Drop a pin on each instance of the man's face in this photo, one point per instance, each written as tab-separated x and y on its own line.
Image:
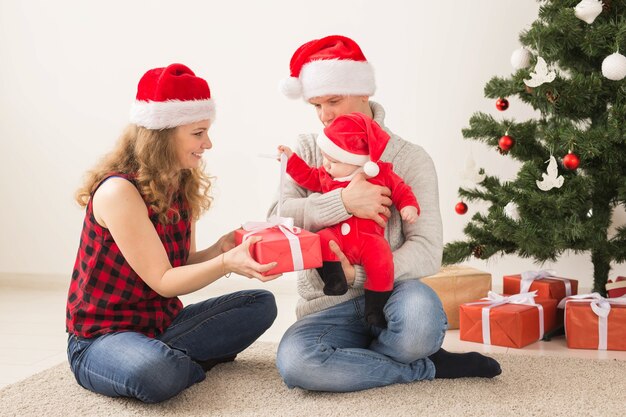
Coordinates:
329	107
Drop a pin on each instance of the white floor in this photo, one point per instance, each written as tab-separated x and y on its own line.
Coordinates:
32	323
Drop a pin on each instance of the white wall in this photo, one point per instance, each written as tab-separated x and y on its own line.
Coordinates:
70	68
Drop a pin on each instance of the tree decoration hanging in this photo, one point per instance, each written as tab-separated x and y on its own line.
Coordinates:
588	10
551	179
614	67
541	75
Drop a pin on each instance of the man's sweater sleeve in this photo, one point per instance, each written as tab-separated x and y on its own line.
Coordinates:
420	254
312	211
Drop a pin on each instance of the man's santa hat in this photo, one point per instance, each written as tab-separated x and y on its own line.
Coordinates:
354	139
331	65
171	96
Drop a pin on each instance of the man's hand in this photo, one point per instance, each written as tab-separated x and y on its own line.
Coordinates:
348	269
365	200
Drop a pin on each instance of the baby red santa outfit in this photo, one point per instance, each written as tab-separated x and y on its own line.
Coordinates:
358	140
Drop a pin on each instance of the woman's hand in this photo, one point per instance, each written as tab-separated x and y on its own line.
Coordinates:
348	268
239	261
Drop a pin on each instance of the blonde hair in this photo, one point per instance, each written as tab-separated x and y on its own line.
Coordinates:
150	157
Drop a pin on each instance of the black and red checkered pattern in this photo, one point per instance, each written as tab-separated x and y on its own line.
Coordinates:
106	295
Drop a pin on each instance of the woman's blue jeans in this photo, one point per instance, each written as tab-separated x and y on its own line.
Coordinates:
336	350
130	364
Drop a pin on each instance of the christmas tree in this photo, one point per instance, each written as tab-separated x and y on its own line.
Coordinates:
573	156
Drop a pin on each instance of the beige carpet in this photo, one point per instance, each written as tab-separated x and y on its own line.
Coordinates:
251	386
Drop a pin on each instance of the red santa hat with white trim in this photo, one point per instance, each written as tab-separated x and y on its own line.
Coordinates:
171	96
331	65
355	139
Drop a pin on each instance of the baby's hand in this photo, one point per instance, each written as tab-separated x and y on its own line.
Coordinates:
409	214
284	149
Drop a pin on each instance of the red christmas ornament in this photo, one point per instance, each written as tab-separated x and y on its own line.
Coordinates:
505	143
502	104
460	208
571	161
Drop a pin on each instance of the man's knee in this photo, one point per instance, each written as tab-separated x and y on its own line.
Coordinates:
416	314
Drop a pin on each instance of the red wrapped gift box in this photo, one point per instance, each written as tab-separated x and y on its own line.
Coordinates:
510	324
546	287
617	288
275	247
600	326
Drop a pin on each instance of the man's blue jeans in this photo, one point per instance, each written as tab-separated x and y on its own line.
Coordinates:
130	364
336	350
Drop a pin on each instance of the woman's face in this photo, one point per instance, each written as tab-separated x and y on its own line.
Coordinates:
191	141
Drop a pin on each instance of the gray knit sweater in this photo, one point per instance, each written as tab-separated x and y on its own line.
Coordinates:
417	247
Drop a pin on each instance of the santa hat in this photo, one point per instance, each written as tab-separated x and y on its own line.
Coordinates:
331	65
354	139
171	96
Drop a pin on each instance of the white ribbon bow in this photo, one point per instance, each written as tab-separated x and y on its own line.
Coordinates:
601	307
529	276
495	300
284	224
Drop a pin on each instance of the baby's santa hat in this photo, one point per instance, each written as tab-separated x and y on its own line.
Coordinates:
171	96
331	65
354	139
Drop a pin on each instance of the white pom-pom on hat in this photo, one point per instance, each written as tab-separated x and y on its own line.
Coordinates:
614	66
371	169
291	87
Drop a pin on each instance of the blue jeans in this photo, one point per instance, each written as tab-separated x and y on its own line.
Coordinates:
130	364
336	350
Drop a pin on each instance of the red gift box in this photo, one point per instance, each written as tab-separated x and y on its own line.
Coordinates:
546	286
594	322
617	288
510	323
277	247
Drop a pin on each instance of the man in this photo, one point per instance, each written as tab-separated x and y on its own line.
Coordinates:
331	347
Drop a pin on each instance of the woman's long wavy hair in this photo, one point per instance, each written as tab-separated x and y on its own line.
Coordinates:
150	156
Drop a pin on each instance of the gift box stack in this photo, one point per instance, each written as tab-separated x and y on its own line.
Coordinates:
526	311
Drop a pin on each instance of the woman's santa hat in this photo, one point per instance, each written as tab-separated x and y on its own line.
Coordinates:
331	65
354	139
171	96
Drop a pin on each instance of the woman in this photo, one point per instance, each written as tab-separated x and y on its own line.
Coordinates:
129	334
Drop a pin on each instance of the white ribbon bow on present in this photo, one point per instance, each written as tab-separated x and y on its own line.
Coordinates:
495	300
601	307
529	276
284	224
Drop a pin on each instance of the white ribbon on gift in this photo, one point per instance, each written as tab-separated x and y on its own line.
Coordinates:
495	300
284	224
529	276
601	307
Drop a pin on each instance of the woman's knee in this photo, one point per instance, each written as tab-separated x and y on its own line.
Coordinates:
266	310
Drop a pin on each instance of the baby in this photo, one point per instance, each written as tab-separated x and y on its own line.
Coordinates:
351	144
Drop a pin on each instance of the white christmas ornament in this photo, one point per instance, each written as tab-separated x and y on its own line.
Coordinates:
471	174
541	74
551	179
588	10
520	58
590	213
614	66
511	211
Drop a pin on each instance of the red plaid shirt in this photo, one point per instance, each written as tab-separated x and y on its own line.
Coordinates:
106	295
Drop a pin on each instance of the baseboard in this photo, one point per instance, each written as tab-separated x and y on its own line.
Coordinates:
34	281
